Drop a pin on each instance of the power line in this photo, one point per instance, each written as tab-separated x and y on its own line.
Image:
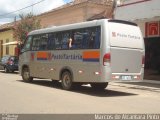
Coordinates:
21	9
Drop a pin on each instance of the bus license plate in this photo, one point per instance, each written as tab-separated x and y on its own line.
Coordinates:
127	77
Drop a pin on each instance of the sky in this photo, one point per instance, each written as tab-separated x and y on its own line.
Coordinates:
7	8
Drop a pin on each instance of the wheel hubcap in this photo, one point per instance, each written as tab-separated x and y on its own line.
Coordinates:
26	74
67	81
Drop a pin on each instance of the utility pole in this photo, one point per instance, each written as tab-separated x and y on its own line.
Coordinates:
114	6
32	7
15	20
110	11
109	8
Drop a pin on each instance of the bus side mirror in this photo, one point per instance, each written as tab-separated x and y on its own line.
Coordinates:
21	50
21	46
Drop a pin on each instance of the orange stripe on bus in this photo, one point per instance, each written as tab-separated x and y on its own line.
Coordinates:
42	55
91	54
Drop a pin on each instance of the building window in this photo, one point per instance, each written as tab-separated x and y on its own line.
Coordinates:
7	47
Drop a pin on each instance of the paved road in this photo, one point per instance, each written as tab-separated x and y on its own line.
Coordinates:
42	96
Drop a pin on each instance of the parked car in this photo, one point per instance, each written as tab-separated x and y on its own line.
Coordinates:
9	63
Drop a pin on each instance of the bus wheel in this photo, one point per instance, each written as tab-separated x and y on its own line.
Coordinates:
26	75
6	70
99	86
67	83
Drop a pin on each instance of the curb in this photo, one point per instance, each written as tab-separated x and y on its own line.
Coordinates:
151	81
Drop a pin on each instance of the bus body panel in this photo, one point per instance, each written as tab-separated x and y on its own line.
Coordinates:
126	51
24	60
82	71
125	60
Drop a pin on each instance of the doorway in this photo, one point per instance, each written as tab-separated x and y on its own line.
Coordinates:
1	48
152	58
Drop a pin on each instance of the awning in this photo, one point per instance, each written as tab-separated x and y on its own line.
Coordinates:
11	43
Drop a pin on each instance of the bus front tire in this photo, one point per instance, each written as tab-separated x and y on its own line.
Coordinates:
99	86
67	83
26	75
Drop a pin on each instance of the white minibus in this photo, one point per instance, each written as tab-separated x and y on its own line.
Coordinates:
93	52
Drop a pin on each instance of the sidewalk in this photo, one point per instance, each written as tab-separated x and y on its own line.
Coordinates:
151	76
152	81
151	85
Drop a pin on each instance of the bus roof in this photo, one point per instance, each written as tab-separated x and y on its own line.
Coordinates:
78	25
68	27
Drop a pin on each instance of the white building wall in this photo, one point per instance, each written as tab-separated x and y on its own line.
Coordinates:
140	12
138	9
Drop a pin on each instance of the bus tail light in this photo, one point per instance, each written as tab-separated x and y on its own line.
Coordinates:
115	77
137	77
143	60
106	59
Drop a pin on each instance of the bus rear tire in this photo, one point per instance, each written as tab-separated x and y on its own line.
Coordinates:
26	75
99	86
66	82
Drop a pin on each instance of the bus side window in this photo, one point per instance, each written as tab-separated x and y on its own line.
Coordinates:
65	40
85	40
71	39
78	37
97	38
58	41
27	45
92	40
36	42
51	41
43	42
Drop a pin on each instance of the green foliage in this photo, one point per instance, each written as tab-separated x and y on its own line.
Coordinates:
26	24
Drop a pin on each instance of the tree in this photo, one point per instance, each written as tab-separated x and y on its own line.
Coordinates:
26	24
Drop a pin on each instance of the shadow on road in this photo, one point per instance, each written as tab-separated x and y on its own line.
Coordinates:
15	72
143	84
82	89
